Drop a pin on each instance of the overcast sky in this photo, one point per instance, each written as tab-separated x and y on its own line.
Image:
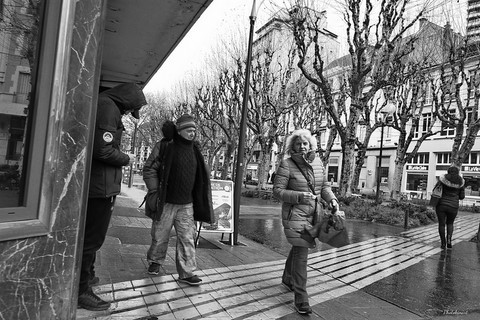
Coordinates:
223	18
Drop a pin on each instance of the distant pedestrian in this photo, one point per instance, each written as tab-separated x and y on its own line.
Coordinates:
295	178
453	190
105	180
179	192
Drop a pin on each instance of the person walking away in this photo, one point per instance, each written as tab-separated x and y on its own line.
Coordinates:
179	193
295	178
453	190
105	180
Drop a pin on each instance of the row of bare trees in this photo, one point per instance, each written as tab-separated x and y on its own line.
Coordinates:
417	77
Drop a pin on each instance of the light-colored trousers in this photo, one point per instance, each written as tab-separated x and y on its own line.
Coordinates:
181	217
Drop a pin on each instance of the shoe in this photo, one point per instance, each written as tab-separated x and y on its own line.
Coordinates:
90	301
288	286
154	268
303	308
449	242
193	280
93	281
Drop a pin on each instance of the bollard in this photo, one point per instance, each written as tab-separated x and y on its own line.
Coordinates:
405	226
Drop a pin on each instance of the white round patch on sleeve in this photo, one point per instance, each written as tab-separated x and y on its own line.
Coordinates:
108	137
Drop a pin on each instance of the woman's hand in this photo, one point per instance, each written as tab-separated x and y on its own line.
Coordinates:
308	196
334	205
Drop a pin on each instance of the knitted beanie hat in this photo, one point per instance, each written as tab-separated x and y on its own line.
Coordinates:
185	121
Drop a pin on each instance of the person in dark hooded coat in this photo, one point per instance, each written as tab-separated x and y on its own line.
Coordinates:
105	180
453	190
179	193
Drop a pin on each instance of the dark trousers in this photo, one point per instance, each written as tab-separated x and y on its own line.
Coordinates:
99	212
446	216
295	272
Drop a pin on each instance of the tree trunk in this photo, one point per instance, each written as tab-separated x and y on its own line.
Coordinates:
348	164
360	160
397	180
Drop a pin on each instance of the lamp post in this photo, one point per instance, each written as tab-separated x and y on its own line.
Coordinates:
239	168
378	199
130	178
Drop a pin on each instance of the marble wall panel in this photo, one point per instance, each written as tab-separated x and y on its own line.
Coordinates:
38	276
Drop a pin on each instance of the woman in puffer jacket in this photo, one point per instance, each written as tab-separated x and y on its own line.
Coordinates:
453	190
298	207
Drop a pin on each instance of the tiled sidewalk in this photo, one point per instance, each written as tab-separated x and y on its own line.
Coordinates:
243	282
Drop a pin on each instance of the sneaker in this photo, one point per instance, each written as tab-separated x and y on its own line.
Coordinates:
193	280
303	308
93	281
154	268
90	301
288	286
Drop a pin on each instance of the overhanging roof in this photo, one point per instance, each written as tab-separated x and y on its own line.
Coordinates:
140	35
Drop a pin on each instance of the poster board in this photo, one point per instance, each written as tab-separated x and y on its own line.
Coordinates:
222	201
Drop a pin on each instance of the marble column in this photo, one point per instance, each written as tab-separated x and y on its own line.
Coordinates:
39	275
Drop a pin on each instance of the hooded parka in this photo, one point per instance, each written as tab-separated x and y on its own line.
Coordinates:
107	162
289	186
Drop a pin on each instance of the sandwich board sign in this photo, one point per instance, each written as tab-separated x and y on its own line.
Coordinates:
222	201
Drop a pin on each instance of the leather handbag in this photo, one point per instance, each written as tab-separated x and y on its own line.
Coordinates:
333	230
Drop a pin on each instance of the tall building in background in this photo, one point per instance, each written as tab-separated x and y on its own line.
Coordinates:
473	21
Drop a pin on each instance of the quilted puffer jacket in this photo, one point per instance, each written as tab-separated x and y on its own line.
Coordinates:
289	186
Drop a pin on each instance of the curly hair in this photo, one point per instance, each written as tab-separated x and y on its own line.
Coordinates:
300	133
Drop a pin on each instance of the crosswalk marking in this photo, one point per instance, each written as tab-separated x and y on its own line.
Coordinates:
254	290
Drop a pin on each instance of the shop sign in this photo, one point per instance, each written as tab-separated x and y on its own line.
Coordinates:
417	167
471	169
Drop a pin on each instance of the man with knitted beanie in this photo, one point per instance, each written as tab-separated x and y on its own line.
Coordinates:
179	193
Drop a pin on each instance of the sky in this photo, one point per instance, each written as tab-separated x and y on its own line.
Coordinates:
223	18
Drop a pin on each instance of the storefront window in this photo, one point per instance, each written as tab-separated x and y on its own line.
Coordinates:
472	185
19	29
417	181
33	76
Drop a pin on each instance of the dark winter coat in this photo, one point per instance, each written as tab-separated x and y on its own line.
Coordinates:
451	192
156	172
289	186
107	159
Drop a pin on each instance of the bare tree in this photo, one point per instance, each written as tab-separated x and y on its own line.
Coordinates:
373	47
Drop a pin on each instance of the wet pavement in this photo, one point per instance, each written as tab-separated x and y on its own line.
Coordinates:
385	273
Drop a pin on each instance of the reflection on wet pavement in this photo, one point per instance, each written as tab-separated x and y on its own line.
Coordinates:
406	268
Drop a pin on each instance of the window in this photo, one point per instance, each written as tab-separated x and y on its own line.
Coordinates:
447	128
443	158
428	94
420	158
332	173
416	182
423	125
38	80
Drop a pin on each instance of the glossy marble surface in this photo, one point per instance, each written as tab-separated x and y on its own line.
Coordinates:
38	275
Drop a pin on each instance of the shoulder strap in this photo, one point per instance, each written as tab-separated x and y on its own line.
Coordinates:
309	182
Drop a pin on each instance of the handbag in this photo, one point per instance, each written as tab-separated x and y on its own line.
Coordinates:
333	230
436	194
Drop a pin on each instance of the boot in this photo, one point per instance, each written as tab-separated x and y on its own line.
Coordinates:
441	232
449	235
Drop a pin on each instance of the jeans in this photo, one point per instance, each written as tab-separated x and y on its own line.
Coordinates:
295	272
179	216
99	212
